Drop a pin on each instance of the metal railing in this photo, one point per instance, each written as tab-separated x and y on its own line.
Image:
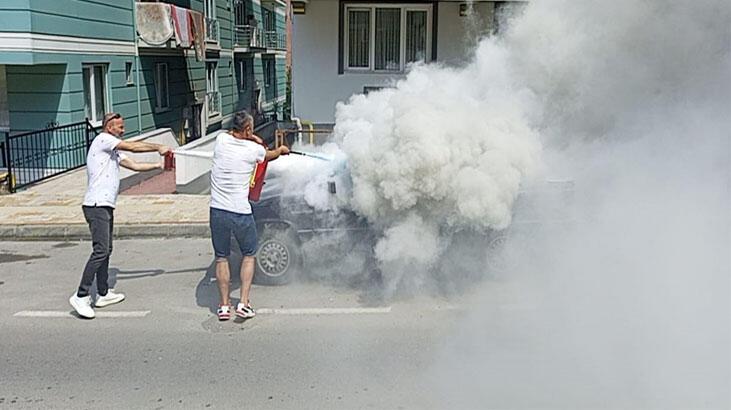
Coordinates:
275	40
249	37
214	103
212	33
33	156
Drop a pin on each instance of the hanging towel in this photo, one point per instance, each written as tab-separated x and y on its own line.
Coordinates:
199	35
154	23
181	21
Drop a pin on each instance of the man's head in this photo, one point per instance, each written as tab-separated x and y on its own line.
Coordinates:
113	123
243	125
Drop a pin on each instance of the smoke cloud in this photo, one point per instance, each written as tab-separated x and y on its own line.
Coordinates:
618	298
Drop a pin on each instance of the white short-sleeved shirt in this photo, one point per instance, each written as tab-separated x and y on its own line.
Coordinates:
234	160
102	171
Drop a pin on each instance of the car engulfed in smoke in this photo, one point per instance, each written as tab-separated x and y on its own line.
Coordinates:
306	227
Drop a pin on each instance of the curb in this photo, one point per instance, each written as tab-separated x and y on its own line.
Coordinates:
81	231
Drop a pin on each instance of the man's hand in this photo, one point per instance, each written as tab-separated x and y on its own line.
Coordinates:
163	150
283	150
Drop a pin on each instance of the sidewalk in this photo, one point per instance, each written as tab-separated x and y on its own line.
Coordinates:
52	210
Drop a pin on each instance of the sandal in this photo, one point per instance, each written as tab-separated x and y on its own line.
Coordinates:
245	311
224	312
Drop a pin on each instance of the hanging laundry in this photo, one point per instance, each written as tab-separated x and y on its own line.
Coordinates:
199	35
181	21
154	23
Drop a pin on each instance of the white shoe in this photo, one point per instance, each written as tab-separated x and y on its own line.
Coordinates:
109	299
82	306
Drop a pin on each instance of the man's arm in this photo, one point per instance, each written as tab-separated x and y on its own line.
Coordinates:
273	154
129	163
141	146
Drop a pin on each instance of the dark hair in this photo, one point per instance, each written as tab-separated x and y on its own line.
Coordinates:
240	119
110	116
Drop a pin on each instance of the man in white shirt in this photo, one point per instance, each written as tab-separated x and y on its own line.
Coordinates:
102	171
235	157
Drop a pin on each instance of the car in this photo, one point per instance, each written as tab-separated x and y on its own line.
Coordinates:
300	219
303	225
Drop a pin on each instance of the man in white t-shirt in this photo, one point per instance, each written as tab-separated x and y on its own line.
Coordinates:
102	171
235	157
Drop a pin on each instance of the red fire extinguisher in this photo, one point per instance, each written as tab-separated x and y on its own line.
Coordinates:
256	182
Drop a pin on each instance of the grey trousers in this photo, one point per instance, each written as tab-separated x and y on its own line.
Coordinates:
101	223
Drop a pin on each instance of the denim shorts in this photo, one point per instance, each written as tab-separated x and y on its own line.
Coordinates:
224	223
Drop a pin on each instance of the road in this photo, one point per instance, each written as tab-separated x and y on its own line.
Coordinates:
314	345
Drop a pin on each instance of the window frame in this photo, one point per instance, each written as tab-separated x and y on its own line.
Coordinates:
405	8
213	81
209	9
129	73
92	91
159	106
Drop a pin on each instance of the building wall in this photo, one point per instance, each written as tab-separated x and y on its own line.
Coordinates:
317	86
103	19
457	35
45	87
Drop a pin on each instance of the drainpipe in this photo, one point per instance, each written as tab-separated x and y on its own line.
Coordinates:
137	66
299	127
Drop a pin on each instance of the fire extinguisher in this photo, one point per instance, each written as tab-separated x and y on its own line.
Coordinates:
256	182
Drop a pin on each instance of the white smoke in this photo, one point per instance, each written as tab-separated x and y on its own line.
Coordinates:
629	308
444	150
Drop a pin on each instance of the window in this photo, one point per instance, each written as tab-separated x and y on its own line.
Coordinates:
270	79
212	96
95	91
211	76
240	13
359	28
128	73
162	90
269	19
385	38
416	29
243	75
209	7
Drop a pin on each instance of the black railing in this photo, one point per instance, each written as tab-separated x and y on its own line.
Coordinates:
33	156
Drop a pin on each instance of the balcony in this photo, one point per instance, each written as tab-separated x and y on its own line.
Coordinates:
249	37
275	40
213	100
212	30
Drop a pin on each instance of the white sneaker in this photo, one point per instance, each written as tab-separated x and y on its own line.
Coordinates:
82	306
109	299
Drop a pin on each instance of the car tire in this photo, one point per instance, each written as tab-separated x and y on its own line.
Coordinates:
277	258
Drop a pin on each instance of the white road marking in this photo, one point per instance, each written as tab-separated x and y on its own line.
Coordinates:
68	314
324	311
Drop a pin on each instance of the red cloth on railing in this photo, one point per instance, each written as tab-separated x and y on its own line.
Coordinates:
182	24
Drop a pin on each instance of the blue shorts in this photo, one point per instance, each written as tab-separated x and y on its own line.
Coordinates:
224	223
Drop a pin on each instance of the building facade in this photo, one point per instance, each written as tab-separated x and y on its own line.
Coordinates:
345	47
63	61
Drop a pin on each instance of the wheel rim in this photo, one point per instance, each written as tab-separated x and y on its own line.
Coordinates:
273	258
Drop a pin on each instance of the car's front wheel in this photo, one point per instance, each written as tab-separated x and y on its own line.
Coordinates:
277	258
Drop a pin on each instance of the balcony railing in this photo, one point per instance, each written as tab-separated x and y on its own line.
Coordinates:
249	37
212	33
213	99
275	40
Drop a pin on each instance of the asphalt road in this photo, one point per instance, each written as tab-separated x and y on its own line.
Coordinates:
319	346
